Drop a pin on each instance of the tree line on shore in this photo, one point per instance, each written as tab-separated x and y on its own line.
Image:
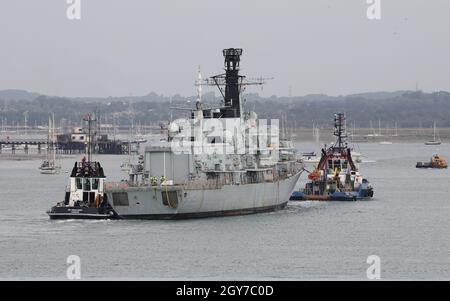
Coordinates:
407	109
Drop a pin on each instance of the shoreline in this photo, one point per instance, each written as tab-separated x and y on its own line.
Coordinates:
368	135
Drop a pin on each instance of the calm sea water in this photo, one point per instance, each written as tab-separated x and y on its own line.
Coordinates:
407	225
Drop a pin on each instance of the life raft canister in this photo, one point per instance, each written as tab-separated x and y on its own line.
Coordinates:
315	175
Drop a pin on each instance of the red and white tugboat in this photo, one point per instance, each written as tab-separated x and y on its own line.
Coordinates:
336	177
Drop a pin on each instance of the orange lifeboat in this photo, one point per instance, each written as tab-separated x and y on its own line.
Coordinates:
439	162
435	162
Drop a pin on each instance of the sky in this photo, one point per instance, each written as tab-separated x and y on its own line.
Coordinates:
134	47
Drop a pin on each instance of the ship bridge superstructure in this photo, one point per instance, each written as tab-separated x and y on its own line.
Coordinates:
338	155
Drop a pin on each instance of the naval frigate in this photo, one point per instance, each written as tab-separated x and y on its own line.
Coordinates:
219	161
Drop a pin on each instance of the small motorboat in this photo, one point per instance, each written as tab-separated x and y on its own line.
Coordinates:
310	158
356	156
49	167
435	162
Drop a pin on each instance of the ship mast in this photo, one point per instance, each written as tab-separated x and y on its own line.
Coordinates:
49	137
232	99
89	120
340	131
230	84
434	131
53	139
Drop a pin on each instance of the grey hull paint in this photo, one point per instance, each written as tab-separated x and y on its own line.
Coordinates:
207	214
147	203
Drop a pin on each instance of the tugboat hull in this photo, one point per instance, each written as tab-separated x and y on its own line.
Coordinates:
435	162
81	213
336	196
429	165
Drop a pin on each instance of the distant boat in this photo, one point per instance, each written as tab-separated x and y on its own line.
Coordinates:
356	156
312	157
49	166
385	142
435	162
395	131
434	141
140	139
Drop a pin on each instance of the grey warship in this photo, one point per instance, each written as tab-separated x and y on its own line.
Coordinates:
217	162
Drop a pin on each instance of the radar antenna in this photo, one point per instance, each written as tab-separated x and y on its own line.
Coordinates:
230	84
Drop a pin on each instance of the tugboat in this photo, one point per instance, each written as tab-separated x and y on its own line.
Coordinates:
435	162
84	198
336	177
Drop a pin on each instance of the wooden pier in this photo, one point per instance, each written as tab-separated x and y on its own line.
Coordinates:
14	144
115	147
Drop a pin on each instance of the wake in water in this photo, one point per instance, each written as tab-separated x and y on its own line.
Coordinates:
368	161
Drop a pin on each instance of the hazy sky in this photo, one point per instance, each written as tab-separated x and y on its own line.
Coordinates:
120	47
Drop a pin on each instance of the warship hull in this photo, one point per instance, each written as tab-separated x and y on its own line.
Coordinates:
178	202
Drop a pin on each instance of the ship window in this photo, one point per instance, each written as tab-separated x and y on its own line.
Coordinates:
120	199
337	164
214	140
87	184
330	164
212	176
81	137
78	183
169	197
94	184
344	164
